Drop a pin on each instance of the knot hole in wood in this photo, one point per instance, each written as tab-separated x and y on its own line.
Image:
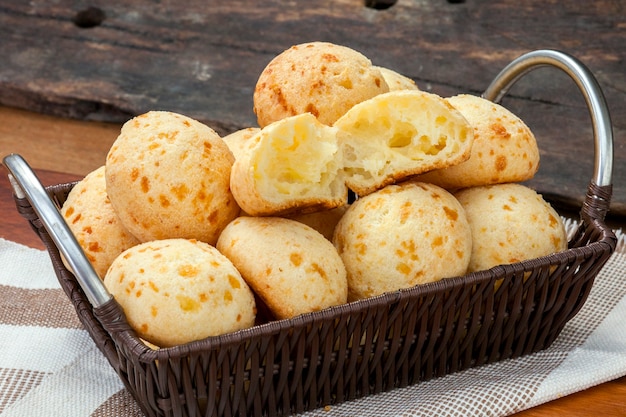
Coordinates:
89	17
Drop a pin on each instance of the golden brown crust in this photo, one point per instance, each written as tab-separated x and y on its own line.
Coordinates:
510	223
317	77
401	236
91	218
174	291
292	267
168	176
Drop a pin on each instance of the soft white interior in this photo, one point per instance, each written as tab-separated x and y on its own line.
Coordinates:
299	159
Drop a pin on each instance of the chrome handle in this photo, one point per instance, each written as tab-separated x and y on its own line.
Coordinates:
26	185
588	85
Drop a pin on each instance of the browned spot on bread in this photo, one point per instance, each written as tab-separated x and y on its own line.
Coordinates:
145	184
94	247
188	270
330	57
315	267
187	303
296	259
500	131
451	213
405	211
234	282
213	217
361	247
180	191
500	163
164	201
403	268
310	108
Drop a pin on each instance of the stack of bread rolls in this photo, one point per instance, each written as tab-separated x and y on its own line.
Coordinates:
209	230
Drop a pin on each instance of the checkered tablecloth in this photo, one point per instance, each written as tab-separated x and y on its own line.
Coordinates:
49	366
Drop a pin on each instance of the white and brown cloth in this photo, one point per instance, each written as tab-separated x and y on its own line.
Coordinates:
49	366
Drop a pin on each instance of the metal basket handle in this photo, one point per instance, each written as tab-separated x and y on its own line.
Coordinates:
588	85
26	185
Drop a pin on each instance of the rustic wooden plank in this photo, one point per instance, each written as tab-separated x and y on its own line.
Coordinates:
203	60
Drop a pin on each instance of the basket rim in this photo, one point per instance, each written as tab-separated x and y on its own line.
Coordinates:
605	243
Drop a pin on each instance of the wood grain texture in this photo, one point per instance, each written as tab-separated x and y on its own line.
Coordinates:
56	144
203	60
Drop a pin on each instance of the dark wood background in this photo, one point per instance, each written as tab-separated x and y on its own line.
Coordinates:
110	60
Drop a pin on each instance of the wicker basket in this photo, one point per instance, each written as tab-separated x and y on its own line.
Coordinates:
365	347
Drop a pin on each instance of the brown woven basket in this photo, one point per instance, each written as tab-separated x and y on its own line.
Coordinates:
373	345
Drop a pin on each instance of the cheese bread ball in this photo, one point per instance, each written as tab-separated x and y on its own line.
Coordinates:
91	218
291	165
510	223
317	77
238	140
290	266
400	134
401	236
168	176
175	291
504	150
397	81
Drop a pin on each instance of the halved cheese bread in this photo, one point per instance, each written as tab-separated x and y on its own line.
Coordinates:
504	150
399	134
292	165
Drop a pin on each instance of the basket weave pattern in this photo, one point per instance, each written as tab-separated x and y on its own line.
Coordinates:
357	349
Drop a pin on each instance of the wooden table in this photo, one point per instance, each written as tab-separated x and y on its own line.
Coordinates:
28	133
110	60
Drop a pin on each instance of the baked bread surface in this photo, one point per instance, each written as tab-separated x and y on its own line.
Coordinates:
510	223
175	291
401	236
168	176
90	216
321	78
289	265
